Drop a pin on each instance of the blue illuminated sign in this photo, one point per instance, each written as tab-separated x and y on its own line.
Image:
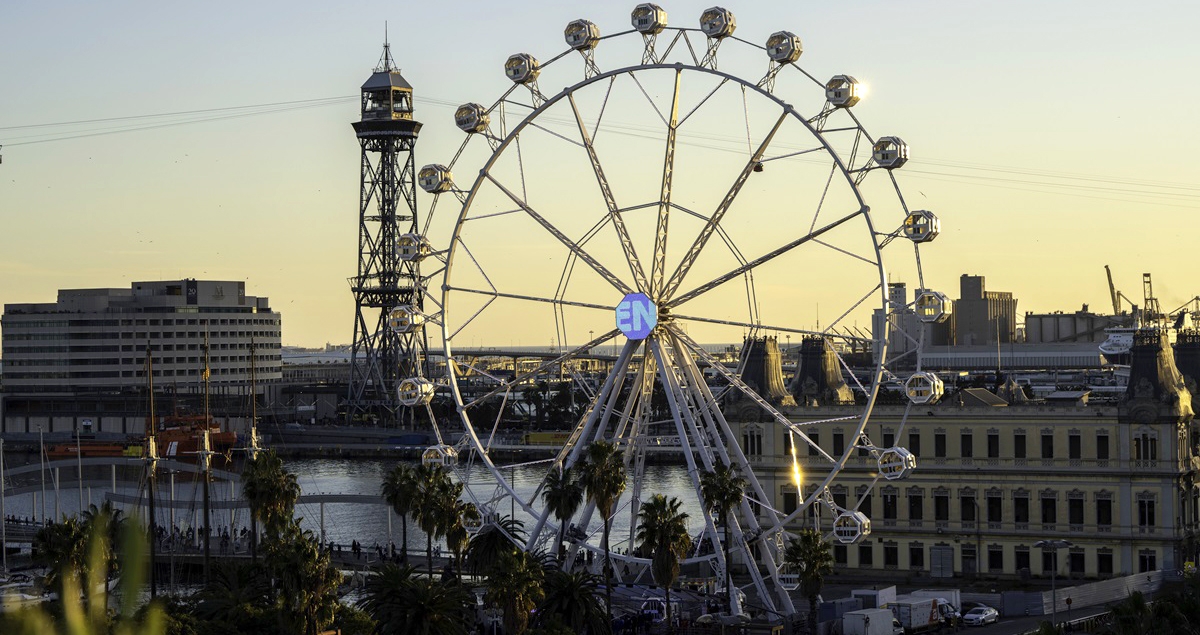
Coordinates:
636	316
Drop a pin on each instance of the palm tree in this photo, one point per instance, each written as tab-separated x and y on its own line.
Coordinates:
810	557
515	584
434	489
385	596
236	595
271	492
722	490
399	490
603	478
662	533
62	547
306	581
571	596
438	608
491	542
563	495
456	516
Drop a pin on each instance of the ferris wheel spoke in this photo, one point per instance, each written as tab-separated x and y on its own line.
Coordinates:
749	266
754	326
737	382
580	350
635	265
567	242
664	198
531	298
715	220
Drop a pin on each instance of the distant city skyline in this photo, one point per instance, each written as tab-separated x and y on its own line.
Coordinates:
1030	130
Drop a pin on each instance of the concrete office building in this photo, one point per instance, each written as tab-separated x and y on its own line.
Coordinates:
73	359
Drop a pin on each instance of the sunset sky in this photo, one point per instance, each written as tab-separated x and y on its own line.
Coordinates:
1050	137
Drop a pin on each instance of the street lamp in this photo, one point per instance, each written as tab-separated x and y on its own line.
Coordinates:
1053	546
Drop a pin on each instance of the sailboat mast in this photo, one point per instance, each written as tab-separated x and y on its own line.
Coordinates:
151	460
204	457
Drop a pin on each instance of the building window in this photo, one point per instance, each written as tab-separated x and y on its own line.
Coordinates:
789	502
839	554
863	496
866	555
814	448
969	563
1049	561
1147	560
752	441
916	504
1022	558
968	445
839	444
1049	510
1102	445
1104	512
1075	511
891	555
889	505
1145	447
939	445
1021	508
968	503
1104	561
889	439
1047	445
994	508
1019	445
916	555
1074	446
914	442
941	506
839	496
993	441
1075	562
995	559
1146	515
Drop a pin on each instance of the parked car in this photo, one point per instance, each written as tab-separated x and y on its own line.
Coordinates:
981	615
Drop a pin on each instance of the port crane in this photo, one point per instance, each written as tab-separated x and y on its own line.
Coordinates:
1117	295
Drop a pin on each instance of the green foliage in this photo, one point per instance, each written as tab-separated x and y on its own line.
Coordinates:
563	495
723	489
571	601
434	491
399	489
662	532
351	620
400	603
603	477
515	585
491	542
271	492
82	615
811	558
305	581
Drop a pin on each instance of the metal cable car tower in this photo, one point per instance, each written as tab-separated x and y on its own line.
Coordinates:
388	342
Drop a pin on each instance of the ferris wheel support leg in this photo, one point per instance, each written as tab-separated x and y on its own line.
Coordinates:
739	460
685	360
608	394
675	396
645	382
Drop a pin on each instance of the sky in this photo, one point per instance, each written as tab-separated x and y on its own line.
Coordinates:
1050	137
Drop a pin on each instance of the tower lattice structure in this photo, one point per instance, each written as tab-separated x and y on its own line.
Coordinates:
387	283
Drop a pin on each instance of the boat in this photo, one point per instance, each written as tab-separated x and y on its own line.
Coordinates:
84	448
182	435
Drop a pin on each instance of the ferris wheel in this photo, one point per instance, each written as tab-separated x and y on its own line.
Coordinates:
651	222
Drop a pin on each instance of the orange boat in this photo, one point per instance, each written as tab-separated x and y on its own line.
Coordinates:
181	435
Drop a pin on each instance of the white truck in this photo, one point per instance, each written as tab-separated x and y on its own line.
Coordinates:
871	622
949	601
917	615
